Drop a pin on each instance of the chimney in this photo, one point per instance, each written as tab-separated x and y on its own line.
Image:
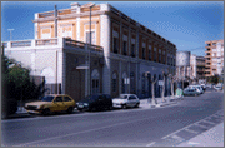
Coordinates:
75	5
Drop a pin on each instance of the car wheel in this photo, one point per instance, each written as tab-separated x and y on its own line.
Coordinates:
137	106
124	106
69	110
46	111
110	107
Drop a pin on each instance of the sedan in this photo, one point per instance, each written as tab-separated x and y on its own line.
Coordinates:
191	91
95	102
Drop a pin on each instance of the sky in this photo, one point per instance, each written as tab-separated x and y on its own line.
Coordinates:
187	24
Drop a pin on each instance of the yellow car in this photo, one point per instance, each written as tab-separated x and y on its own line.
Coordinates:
52	103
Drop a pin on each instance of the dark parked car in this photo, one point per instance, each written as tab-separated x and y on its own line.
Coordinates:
95	102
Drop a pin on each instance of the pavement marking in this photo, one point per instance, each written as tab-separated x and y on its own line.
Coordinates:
192	143
191	131
175	136
85	131
149	145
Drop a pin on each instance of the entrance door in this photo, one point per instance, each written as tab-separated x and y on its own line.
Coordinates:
75	84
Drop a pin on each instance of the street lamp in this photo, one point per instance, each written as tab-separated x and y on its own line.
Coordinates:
10	33
91	5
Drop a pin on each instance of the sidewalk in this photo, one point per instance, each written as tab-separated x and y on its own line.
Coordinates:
146	103
214	137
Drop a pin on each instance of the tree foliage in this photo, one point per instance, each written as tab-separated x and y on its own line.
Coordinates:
18	83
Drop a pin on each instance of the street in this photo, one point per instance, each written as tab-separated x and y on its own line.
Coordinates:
119	128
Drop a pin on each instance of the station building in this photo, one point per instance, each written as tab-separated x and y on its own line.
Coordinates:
121	59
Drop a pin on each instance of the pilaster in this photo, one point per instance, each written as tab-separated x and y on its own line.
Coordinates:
105	43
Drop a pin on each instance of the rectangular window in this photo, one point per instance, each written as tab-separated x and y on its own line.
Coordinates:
155	54
133	51
124	48
92	37
115	46
123	85
143	84
143	53
150	55
114	85
159	57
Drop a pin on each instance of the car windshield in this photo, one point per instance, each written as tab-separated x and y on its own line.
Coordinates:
123	96
47	99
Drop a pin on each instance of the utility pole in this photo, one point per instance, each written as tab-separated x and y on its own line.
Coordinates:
55	22
56	91
91	5
10	33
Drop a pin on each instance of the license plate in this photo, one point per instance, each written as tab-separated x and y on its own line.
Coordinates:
31	111
81	106
116	105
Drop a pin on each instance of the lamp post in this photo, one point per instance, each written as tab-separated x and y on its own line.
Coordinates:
10	33
91	5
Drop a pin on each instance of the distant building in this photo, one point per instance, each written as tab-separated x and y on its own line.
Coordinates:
183	64
200	68
122	56
214	57
193	64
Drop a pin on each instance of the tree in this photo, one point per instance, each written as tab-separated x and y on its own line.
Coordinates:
19	85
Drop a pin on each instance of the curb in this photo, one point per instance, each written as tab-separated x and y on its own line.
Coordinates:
18	115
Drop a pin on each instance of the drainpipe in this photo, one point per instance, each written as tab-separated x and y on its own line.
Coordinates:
55	22
56	51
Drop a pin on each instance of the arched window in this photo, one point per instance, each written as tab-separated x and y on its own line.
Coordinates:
95	82
143	84
114	82
124	76
132	82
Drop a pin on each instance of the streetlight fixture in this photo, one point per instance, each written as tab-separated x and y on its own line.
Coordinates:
91	5
10	33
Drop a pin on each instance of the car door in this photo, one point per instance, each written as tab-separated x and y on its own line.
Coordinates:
108	101
129	101
68	102
133	100
59	104
101	101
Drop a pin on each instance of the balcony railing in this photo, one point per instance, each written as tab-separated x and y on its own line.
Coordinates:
20	44
80	44
46	42
61	42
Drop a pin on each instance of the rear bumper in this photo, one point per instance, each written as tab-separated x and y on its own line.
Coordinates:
37	111
115	105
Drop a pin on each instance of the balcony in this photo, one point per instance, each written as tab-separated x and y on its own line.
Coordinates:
52	43
207	51
207	56
207	47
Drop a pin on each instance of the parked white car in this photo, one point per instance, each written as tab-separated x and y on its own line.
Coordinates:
191	91
126	100
198	87
218	86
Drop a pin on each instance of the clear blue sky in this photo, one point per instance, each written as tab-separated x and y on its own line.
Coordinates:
187	24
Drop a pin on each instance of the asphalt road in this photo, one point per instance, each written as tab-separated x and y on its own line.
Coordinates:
118	128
